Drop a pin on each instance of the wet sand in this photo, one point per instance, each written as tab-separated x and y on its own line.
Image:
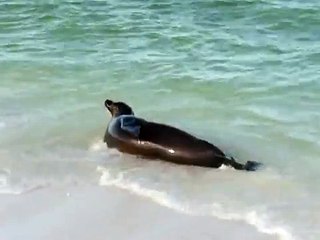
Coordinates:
96	213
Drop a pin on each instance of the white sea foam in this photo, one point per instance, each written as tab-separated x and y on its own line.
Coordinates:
225	167
10	190
258	220
97	146
4	183
6	188
24	185
4	177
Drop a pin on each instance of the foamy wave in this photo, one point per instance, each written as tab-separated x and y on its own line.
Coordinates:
9	189
4	183
97	146
225	167
259	221
4	177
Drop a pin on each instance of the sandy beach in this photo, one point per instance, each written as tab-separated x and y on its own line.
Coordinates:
96	213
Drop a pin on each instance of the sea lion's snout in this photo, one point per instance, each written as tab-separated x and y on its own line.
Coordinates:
118	108
111	106
108	103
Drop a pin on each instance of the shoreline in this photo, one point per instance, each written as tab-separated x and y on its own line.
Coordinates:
91	212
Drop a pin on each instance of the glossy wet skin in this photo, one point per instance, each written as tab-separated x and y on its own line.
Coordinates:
159	141
118	108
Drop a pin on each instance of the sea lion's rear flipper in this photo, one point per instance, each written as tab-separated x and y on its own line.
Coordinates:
131	126
252	165
249	166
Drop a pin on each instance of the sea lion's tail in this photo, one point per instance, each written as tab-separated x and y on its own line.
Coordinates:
251	165
248	166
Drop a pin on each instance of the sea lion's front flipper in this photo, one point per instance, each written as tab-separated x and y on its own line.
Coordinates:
131	126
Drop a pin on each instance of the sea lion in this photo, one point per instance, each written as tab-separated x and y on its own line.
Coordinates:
151	140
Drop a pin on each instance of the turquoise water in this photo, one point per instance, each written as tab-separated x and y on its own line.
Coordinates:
241	74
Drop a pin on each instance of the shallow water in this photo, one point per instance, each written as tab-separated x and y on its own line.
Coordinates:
241	74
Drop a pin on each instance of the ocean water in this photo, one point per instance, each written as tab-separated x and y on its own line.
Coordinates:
242	74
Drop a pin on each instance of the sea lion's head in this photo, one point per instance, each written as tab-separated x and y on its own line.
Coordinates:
118	108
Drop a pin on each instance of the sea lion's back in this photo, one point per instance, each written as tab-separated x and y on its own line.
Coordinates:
174	138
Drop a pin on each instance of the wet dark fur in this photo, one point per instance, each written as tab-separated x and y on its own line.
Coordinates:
160	141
